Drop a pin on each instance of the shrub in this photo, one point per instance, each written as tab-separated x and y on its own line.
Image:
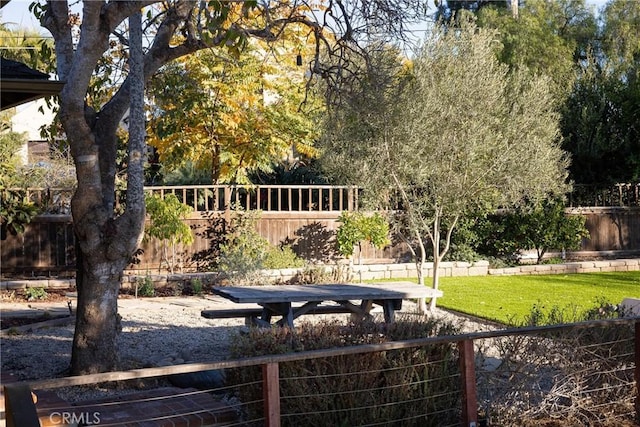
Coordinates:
244	251
543	227
166	224
145	287
35	294
326	390
282	257
355	227
579	375
324	274
15	212
196	287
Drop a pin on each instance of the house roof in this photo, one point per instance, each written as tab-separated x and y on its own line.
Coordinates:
20	84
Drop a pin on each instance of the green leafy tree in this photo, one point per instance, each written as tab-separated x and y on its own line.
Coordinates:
600	116
621	39
166	224
547	37
545	226
464	133
15	210
357	227
10	145
232	115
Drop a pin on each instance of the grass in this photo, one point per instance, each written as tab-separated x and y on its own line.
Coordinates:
509	299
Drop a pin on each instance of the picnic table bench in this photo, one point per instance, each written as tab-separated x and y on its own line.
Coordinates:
278	300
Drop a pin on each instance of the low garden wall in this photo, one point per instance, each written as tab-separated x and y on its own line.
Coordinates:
359	272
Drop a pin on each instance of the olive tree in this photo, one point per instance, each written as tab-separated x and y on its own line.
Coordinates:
452	132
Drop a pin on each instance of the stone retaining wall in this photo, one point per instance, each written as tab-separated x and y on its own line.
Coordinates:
362	272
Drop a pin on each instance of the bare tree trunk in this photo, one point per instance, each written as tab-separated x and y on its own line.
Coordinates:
97	319
104	243
435	240
422	305
438	255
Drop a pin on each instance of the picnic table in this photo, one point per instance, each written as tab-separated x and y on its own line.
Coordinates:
278	300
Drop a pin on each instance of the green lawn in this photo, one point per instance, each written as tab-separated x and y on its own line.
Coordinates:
508	299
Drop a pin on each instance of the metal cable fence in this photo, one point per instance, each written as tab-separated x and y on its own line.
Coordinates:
412	393
575	374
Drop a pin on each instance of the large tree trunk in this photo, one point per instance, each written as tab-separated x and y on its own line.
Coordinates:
101	260
97	320
105	241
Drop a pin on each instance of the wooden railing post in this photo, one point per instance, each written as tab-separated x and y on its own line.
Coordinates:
468	378
637	369
271	394
227	204
20	409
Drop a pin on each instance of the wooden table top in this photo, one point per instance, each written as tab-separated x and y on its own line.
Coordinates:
329	292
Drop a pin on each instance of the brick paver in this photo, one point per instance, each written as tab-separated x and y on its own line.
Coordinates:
167	406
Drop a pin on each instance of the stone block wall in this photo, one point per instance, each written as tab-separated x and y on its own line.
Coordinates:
360	272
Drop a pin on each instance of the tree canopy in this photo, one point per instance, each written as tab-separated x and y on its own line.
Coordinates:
233	114
455	132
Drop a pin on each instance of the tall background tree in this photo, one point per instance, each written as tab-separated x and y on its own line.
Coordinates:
26	46
593	63
549	38
234	115
461	132
600	118
94	47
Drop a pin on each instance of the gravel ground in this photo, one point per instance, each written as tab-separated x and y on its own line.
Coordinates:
156	332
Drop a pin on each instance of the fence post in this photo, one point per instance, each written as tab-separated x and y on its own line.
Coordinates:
468	377
227	204
271	394
637	369
19	405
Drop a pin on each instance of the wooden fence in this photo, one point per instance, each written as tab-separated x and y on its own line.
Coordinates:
304	217
621	382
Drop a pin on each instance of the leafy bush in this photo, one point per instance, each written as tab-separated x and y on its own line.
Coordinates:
245	251
196	287
546	226
166	223
35	294
282	257
145	287
15	212
355	227
505	235
327	389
